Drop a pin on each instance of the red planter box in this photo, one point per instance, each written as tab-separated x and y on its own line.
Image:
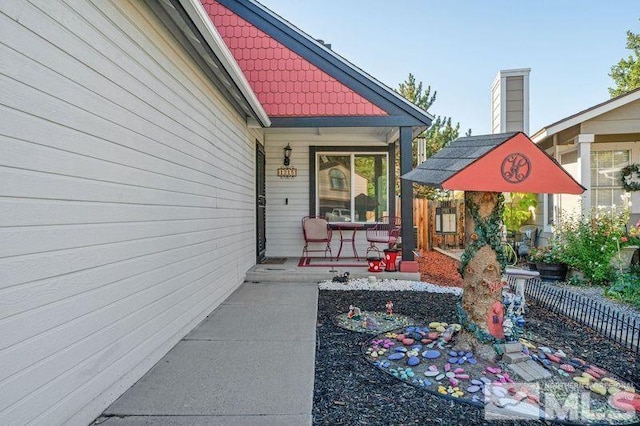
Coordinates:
409	266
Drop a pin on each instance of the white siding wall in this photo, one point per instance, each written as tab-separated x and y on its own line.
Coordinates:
284	228
514	98
126	203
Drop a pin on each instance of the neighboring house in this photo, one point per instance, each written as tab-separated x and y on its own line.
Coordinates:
593	145
140	140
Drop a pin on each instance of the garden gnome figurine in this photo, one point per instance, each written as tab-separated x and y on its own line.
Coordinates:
354	312
389	307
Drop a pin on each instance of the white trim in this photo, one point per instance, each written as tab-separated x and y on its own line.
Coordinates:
525	101
503	103
201	19
584	116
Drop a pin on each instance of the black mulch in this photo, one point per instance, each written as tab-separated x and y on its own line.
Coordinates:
350	391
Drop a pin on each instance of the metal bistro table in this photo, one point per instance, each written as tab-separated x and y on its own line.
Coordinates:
346	236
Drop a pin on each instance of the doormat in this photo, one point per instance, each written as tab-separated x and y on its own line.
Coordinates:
324	262
273	261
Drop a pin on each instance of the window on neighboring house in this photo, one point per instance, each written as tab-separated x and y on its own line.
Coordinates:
338	180
352	186
606	179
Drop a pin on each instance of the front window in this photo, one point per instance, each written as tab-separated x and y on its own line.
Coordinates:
352	187
606	179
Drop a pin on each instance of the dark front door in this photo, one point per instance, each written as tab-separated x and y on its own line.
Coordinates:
261	201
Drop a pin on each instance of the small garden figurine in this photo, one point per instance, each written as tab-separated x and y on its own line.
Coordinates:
389	307
354	312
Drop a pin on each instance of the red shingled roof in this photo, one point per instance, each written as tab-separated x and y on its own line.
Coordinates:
286	84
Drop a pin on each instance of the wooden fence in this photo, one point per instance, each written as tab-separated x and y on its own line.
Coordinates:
424	219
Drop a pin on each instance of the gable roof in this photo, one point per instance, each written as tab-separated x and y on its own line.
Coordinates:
191	26
586	114
299	80
504	162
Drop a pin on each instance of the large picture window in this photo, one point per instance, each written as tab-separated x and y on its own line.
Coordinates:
606	180
352	187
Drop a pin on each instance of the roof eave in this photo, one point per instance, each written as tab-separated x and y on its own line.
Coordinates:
203	23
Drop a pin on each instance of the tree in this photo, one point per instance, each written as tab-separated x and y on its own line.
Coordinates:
438	135
626	73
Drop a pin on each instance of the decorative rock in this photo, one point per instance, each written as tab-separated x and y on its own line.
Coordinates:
408	341
561	354
433	368
400	349
545	349
447	367
553	358
477	382
453	381
395	356
414	360
494	370
450	374
568	368
430	373
499	392
485	380
440	329
433	335
439	377
582	380
434	324
453	360
473	388
458	370
592	373
462	376
431	354
598	388
588	376
400	337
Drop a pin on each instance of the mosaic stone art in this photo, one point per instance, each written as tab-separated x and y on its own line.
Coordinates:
372	322
423	355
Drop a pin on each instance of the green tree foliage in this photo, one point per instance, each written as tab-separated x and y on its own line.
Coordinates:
626	73
517	211
439	134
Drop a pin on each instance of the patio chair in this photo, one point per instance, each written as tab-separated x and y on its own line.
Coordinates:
385	232
315	230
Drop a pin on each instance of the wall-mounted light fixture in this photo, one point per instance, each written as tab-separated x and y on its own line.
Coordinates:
287	172
287	155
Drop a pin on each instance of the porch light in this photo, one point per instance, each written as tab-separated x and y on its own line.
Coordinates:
287	155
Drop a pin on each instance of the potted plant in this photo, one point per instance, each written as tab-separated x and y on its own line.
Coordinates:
549	262
628	245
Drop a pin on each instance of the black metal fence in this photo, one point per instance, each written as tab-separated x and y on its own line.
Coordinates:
611	323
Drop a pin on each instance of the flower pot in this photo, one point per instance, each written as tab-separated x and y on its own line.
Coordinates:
552	271
375	264
622	259
390	256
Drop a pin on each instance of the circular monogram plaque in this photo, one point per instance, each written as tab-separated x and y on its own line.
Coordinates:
515	168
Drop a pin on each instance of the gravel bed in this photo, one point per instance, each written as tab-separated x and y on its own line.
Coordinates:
350	391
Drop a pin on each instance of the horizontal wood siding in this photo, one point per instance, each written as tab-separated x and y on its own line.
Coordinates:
284	227
127	209
514	98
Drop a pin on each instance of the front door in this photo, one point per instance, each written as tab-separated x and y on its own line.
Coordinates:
261	201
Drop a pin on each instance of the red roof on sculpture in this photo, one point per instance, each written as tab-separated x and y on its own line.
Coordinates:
505	162
286	84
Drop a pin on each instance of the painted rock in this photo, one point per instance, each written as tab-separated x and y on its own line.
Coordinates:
592	373
473	388
425	341
439	377
431	354
453	353
434	324
462	376
598	370
582	380
477	382
453	381
588	376
440	329
400	349
458	370
485	380
568	368
499	392
447	367
598	388
542	355
554	358
545	349
414	360
494	370
400	337
408	341
395	356
450	374
453	360
430	373
433	335
433	368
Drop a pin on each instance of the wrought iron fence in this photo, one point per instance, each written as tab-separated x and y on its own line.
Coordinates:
611	323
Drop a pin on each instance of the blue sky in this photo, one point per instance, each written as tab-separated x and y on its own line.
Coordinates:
458	47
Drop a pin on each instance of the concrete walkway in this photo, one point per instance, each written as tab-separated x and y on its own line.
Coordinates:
251	362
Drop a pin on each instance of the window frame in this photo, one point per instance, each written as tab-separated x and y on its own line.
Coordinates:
352	151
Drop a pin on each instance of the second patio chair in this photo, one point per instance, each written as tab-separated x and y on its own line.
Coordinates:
386	232
315	230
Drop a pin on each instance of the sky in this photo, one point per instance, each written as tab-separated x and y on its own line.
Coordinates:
458	47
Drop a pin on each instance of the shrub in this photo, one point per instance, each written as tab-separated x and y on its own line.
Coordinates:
626	287
589	243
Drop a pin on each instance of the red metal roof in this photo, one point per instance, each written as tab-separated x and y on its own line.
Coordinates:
286	84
